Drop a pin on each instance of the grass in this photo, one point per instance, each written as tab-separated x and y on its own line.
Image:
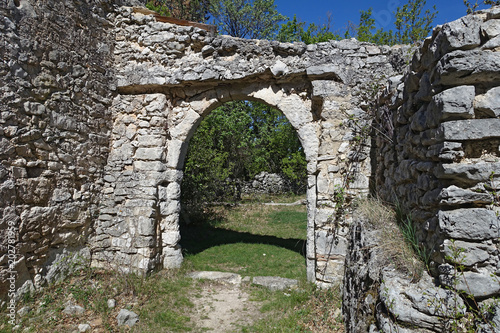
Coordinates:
400	244
250	239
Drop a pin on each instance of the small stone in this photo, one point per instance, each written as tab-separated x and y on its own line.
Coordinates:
24	311
274	283
72	309
111	303
127	318
84	328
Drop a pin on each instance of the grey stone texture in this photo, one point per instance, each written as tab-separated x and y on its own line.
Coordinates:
127	318
98	103
439	157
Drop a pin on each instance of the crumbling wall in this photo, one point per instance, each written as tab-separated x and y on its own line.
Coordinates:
322	89
56	83
438	158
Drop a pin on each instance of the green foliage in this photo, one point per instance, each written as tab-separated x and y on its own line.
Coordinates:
256	19
294	31
471	8
366	31
191	10
234	143
412	25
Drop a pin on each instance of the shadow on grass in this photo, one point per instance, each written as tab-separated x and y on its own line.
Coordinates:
197	237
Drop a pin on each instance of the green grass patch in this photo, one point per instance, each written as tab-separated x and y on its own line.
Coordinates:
250	260
251	240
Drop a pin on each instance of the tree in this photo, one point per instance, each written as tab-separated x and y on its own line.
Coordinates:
471	8
293	31
234	143
366	31
412	25
255	19
191	10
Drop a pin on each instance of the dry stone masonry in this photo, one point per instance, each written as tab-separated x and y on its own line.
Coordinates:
440	158
99	101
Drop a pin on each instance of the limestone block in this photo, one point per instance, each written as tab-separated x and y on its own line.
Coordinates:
151	140
309	140
324	216
469	223
170	238
464	33
469	254
330	70
176	153
453	104
471	129
422	305
296	110
480	284
467	67
122	153
33	108
490	29
488	105
467	174
169	208
454	195
172	257
322	183
183	129
149	166
279	69
145	226
327	246
331	271
149	154
268	95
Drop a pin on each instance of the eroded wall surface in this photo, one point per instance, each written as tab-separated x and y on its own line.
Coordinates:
99	102
438	155
170	77
56	87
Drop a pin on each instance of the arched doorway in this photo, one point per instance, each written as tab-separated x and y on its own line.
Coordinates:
185	117
243	160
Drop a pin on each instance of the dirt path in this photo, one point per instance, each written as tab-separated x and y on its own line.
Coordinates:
224	308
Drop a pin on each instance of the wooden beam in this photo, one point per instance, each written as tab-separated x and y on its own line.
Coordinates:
212	29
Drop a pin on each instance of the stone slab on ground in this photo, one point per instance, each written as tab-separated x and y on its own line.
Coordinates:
230	278
274	282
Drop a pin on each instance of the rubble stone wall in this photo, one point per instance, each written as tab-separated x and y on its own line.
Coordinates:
170	77
56	87
98	103
438	155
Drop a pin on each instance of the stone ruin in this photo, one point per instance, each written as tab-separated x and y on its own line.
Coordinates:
99	101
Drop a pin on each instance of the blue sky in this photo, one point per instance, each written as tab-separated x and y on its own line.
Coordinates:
315	11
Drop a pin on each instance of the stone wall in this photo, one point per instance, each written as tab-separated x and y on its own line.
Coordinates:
266	182
170	77
56	79
99	102
438	156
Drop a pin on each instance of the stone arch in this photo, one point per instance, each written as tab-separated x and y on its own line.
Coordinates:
295	105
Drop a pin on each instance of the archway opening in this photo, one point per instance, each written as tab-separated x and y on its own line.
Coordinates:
244	193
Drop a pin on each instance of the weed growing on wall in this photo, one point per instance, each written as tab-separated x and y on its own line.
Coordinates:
465	318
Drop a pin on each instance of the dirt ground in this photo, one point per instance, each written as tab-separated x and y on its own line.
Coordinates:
224	308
